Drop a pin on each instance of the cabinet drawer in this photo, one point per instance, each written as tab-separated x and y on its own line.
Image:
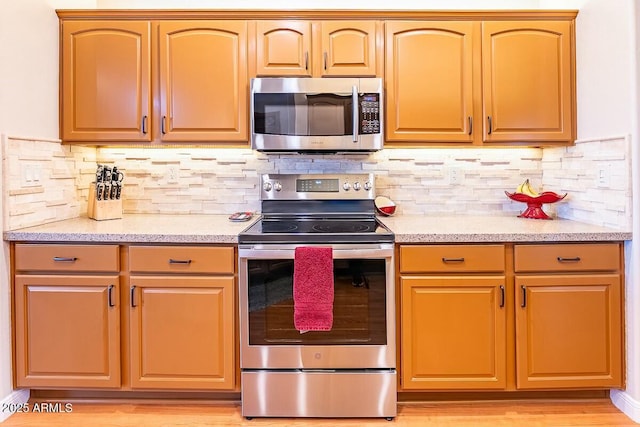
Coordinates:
451	258
56	257
567	257
182	259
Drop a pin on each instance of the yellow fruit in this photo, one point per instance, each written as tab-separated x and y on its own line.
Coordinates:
528	190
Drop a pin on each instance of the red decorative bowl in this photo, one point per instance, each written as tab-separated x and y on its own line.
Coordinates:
534	204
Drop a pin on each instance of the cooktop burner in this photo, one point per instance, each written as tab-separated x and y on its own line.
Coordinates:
288	230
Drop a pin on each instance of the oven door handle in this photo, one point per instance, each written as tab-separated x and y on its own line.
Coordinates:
262	252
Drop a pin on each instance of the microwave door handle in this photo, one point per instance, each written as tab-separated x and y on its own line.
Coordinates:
356	114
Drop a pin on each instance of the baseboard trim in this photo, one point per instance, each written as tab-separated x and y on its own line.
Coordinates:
627	404
16	398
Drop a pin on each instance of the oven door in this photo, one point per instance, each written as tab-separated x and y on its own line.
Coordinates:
363	332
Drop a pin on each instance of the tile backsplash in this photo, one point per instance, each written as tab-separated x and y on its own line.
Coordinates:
46	181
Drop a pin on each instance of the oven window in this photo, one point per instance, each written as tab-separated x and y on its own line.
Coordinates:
359	307
301	114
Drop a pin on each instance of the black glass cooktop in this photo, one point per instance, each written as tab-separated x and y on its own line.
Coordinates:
338	230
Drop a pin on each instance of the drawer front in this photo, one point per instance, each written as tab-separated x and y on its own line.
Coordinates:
182	259
567	257
451	258
58	257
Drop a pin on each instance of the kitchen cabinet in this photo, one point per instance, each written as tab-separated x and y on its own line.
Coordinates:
182	317
67	316
432	81
107	92
453	317
480	82
327	48
511	317
105	81
528	81
569	315
203	81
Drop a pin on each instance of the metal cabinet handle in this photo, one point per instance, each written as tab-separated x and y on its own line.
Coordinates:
306	60
64	259
446	260
179	261
575	259
501	296
144	125
490	125
523	304
163	125
470	125
109	296
132	293
325	61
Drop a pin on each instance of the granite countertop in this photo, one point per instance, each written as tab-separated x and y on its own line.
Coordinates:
150	228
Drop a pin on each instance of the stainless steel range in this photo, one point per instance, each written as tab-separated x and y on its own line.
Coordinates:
347	369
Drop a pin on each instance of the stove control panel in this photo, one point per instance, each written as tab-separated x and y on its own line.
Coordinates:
317	187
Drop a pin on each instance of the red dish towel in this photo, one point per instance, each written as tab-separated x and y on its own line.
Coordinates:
313	289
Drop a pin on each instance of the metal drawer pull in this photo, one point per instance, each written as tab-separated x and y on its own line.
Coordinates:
109	296
144	125
575	259
64	259
179	261
132	293
325	61
306	60
501	296
162	125
524	296
470	125
445	260
490	125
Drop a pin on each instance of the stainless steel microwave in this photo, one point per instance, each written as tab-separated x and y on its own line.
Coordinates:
291	114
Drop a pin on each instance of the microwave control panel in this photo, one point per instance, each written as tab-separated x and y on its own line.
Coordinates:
369	113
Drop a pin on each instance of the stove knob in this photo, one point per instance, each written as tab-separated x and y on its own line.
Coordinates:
267	186
357	186
277	186
346	186
367	186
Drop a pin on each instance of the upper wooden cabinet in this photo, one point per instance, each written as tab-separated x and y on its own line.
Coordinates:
106	78
527	78
107	89
203	81
480	82
432	81
320	49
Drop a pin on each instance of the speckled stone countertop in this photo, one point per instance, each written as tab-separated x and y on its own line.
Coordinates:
479	229
139	228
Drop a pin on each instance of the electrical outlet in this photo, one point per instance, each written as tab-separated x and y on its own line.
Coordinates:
455	176
30	175
172	175
604	176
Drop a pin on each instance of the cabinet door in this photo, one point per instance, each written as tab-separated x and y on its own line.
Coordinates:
105	69
568	331
527	81
203	81
453	332
283	48
348	48
182	332
430	81
67	331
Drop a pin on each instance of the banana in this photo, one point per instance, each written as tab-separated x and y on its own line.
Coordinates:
530	191
525	188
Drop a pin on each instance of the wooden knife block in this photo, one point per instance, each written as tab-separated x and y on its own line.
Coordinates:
103	209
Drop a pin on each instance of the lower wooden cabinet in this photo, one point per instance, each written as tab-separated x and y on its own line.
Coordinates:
568	316
166	321
67	316
552	319
181	332
453	332
182	317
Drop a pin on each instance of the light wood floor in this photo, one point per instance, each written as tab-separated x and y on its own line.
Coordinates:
598	412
